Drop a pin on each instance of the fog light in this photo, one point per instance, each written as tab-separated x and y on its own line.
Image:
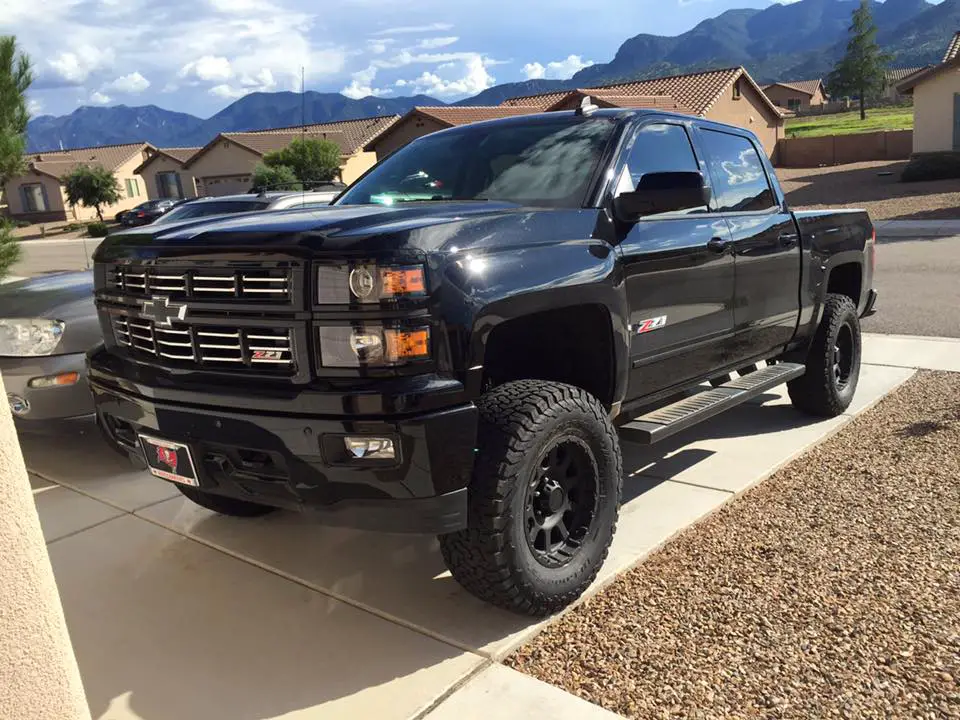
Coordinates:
20	406
370	448
368	347
70	378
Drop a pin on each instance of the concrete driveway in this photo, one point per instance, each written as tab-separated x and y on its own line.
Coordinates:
177	613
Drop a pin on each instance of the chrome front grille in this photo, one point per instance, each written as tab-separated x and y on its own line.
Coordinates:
208	347
261	285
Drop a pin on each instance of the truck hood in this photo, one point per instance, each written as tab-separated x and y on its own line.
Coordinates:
418	227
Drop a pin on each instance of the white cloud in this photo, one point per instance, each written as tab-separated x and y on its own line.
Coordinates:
226	91
76	66
534	71
437	42
379	47
562	69
475	78
133	83
34	107
98	98
208	67
361	85
410	29
170	87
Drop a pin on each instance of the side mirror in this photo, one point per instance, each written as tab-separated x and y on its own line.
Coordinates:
662	192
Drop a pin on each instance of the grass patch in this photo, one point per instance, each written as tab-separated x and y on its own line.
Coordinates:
849	123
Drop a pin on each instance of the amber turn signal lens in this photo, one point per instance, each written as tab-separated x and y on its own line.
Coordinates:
407	344
70	378
402	281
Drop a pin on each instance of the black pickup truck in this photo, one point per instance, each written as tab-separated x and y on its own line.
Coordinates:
451	347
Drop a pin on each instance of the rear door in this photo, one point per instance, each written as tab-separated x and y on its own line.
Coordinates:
679	280
765	243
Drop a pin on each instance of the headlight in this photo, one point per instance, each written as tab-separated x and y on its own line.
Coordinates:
372	345
26	337
341	285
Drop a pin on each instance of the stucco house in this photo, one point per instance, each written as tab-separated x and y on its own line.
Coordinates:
224	166
894	77
729	95
936	103
797	95
38	195
164	176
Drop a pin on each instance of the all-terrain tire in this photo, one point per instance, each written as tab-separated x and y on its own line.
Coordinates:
820	391
223	504
519	423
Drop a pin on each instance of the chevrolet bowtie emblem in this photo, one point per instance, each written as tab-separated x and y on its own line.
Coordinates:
162	312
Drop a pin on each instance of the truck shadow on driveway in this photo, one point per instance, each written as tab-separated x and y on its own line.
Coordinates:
130	599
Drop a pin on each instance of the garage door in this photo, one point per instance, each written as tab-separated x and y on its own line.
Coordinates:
225	185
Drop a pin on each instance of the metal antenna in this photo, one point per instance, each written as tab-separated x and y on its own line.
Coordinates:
303	122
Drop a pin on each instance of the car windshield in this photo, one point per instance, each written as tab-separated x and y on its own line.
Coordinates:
546	162
203	209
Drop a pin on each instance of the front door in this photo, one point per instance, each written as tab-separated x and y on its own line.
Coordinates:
765	243
679	276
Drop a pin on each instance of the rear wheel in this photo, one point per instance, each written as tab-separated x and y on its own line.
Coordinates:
225	505
833	362
544	498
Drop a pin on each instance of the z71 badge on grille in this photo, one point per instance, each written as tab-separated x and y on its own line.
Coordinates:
267	355
645	326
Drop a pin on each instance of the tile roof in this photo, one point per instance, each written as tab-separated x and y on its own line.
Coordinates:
898	75
542	101
807	87
696	92
464	115
265	142
58	163
356	133
180	155
953	49
911	81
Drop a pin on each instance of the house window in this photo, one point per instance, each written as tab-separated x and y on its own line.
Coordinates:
736	90
133	187
168	185
34	199
793	103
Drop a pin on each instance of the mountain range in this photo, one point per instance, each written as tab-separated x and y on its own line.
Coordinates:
800	40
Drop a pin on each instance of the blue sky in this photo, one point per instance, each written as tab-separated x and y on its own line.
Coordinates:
197	56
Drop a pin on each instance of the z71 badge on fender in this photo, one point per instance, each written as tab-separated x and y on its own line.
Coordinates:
645	326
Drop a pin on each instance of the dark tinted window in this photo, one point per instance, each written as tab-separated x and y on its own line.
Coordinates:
661	147
541	162
741	182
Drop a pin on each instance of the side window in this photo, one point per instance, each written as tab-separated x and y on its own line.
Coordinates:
661	147
741	182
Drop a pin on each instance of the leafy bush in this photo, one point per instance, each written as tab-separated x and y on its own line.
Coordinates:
275	177
932	166
21	223
312	160
97	229
10	251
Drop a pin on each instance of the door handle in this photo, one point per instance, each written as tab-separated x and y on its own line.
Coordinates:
717	245
788	240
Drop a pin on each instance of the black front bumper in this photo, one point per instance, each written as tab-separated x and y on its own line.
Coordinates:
298	462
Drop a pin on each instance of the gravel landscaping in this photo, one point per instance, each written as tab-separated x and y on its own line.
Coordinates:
862	185
830	590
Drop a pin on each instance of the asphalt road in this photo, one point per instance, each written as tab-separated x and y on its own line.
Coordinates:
42	256
918	281
919	286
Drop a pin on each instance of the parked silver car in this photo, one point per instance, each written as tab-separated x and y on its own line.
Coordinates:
47	324
250	202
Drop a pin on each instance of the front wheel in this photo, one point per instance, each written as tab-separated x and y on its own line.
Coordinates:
833	362
544	498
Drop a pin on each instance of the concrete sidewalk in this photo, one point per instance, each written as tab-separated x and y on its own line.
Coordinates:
900	229
175	612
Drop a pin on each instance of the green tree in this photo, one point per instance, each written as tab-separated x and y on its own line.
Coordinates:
312	161
15	78
275	177
861	72
92	186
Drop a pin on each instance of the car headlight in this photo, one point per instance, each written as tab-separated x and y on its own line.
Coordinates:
372	345
340	285
27	337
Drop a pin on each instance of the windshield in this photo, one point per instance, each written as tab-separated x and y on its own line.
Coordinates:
203	209
539	163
